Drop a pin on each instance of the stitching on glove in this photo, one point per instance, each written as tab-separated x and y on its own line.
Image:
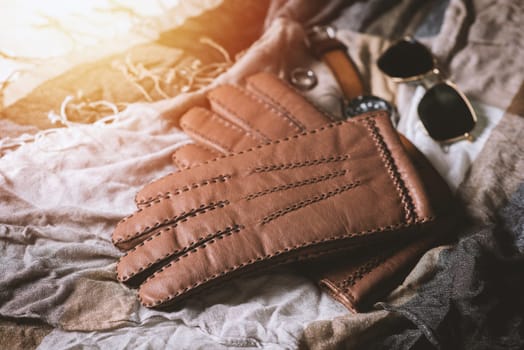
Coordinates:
177	191
285	139
268	168
182	217
296	184
390	166
225	148
208	238
363	270
180	163
292	122
231	125
277	253
149	183
283	110
292	88
405	198
305	203
239	119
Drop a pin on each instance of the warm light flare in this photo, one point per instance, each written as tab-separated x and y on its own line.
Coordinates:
35	28
42	39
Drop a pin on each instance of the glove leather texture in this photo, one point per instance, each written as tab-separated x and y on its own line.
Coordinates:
328	191
356	281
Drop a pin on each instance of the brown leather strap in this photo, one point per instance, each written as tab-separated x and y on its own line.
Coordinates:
345	72
334	53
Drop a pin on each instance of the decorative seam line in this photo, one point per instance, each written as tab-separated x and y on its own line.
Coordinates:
296	184
171	174
360	273
185	165
283	140
230	125
239	119
307	202
177	191
192	245
274	254
283	110
181	217
391	167
268	168
270	108
228	232
224	148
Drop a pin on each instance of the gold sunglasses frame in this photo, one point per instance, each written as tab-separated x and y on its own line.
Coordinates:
428	80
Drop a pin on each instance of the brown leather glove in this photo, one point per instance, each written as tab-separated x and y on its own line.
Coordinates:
329	190
239	119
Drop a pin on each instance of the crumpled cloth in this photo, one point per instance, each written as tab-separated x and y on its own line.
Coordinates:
475	299
61	196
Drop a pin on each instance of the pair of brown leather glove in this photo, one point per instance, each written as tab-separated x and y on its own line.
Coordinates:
271	180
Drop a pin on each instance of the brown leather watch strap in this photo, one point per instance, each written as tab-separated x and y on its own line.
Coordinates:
345	72
334	53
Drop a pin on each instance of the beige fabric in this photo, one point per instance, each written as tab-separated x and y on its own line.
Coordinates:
22	334
484	59
498	170
67	60
83	311
353	331
103	80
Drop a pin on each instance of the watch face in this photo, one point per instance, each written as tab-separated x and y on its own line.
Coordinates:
363	104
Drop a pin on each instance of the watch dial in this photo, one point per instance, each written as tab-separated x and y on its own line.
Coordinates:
364	104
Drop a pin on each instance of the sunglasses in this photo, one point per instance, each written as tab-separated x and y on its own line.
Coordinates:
445	112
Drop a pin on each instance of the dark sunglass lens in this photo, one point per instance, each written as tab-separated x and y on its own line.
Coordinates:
406	59
444	113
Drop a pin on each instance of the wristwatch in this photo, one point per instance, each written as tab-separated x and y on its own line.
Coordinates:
324	45
369	103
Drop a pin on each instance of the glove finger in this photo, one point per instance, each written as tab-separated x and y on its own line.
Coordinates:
193	230
247	110
169	242
173	203
167	210
288	101
192	154
176	183
271	237
198	266
269	232
217	133
192	179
